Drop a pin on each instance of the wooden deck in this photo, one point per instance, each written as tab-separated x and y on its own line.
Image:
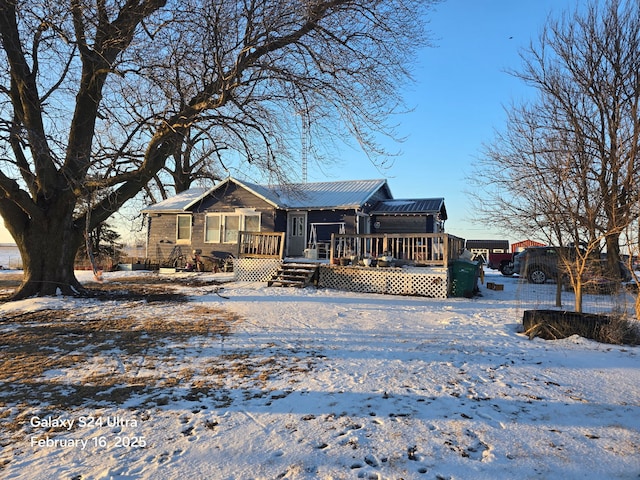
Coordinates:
419	249
425	259
415	249
261	245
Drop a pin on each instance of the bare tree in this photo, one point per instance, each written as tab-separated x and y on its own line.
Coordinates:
95	97
566	169
197	157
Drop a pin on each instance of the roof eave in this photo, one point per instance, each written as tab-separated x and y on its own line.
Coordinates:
172	210
427	212
315	208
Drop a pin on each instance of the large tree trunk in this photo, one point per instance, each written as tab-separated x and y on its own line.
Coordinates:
48	250
613	256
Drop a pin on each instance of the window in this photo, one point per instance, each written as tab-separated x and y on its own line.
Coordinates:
252	223
212	229
231	228
297	229
225	227
183	233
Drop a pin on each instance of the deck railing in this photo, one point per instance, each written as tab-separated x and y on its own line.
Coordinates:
261	245
437	249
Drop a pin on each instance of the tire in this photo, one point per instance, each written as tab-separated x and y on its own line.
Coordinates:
537	275
506	269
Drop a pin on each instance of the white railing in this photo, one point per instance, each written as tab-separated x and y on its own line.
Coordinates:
412	248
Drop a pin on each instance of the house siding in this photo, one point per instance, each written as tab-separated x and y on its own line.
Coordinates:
404	224
162	237
162	228
231	197
279	221
331	216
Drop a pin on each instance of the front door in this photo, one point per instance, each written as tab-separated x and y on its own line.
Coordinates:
296	234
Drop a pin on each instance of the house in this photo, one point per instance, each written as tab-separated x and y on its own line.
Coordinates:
425	215
307	214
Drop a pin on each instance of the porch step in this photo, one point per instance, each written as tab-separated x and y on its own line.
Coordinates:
294	275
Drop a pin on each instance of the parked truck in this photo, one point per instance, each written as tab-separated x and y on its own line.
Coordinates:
495	254
502	262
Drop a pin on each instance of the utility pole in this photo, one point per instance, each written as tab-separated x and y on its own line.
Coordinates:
305	143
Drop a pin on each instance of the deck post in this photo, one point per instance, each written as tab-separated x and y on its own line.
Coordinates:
445	252
282	234
332	248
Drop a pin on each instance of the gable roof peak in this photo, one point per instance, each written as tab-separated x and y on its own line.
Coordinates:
314	195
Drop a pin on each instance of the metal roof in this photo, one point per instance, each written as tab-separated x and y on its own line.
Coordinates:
318	196
487	244
322	195
178	203
415	206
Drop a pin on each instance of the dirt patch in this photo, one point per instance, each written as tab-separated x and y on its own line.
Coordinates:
9	282
152	288
135	341
149	288
102	353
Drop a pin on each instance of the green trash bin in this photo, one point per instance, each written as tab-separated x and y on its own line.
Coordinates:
464	278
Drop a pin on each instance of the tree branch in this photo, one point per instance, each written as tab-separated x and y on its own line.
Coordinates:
28	108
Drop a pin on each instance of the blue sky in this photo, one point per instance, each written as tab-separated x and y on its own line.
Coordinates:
458	98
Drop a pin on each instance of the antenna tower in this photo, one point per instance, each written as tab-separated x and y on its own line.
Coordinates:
305	144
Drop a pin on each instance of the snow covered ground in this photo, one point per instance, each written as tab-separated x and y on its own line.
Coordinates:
314	384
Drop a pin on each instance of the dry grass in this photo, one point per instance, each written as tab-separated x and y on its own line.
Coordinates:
620	331
107	354
103	348
152	288
617	329
54	340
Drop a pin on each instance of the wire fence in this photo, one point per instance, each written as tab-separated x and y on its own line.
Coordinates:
619	300
10	257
